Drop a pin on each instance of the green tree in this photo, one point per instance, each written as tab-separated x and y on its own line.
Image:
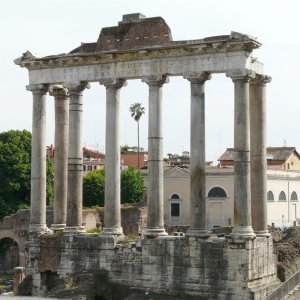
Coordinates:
124	149
132	187
15	167
137	110
93	188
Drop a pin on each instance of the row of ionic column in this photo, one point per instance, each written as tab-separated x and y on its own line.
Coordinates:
250	170
249	178
250	164
68	158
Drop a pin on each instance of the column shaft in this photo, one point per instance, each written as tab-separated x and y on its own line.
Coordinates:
197	157
242	195
60	156
75	158
38	160
112	216
155	218
258	155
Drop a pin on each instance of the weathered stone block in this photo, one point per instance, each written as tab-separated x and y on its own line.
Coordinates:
197	262
203	270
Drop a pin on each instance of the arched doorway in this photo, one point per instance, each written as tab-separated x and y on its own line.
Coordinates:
216	197
9	255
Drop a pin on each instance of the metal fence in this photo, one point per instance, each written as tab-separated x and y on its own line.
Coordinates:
281	291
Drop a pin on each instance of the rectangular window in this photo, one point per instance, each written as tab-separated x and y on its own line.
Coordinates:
175	209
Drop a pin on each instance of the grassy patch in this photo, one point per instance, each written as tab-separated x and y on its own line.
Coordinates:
6	276
93	230
130	237
59	232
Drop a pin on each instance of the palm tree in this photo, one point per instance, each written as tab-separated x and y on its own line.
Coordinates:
137	110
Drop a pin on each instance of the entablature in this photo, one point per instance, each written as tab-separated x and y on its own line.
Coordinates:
136	69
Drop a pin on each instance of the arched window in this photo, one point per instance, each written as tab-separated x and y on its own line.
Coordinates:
294	196
175	205
217	192
270	196
175	196
282	196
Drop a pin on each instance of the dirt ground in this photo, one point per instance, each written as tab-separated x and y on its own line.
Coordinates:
287	251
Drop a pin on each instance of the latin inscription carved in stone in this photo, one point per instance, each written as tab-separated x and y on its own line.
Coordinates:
171	66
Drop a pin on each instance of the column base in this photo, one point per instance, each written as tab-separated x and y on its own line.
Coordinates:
39	228
113	231
201	233
242	233
56	227
262	233
154	232
72	230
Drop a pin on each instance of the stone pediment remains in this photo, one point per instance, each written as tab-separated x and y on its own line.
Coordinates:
26	56
137	38
135	31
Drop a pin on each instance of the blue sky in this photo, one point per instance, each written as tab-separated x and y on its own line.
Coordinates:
57	26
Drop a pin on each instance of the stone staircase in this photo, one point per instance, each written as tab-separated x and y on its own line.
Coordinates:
294	295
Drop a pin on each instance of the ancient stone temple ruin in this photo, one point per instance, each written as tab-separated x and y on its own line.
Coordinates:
240	266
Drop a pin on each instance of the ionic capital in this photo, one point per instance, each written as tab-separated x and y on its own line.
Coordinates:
241	74
58	91
38	88
115	83
76	87
154	80
197	77
261	79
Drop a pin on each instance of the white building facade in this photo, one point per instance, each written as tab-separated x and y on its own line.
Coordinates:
283	192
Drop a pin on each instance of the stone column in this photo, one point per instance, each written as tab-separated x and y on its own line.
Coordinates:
60	156
242	195
19	275
38	160
75	157
155	207
258	154
112	214
197	160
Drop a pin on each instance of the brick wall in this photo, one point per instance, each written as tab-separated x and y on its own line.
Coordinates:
131	159
134	35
